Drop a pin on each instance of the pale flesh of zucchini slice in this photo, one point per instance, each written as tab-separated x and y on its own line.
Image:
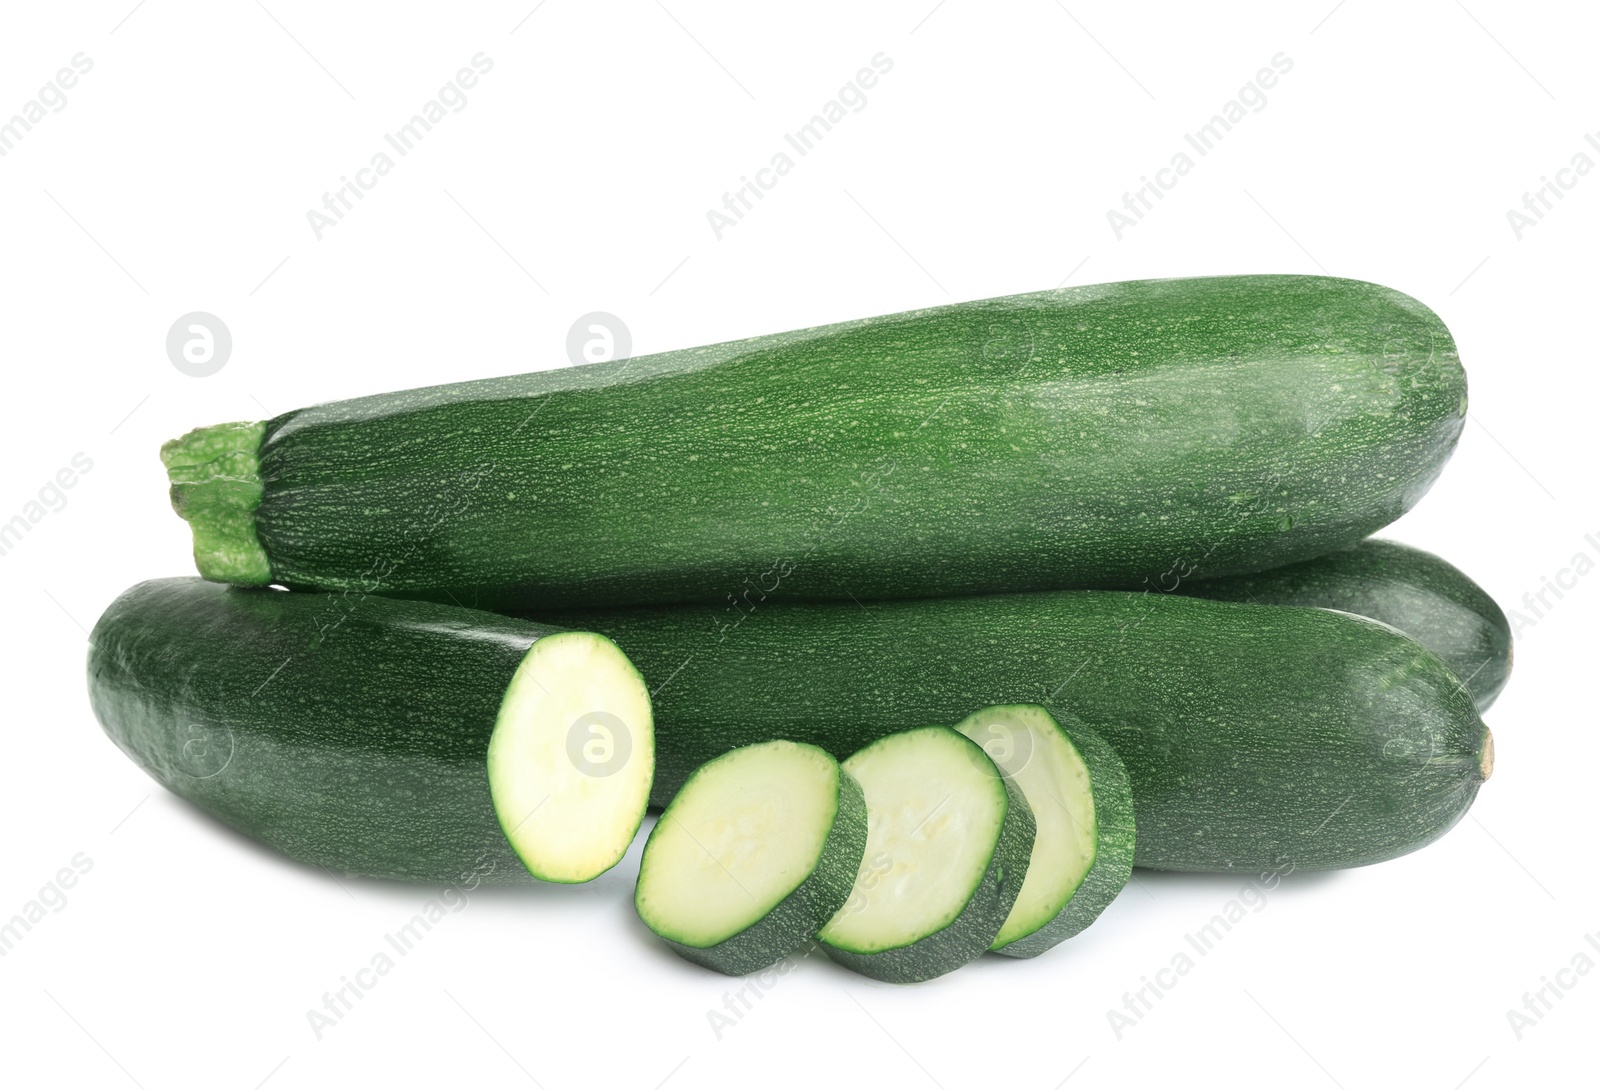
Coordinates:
1083	806
948	840
755	853
572	757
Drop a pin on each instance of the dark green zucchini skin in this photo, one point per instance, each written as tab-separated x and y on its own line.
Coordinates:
1086	437
346	732
1254	736
1421	594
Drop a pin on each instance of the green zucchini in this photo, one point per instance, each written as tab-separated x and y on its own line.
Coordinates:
1082	806
948	843
379	736
1254	736
1422	595
753	856
1090	436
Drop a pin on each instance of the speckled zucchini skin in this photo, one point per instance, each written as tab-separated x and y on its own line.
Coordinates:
1093	436
1255	737
1422	595
346	732
796	919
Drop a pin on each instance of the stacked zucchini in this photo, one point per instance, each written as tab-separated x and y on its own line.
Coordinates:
923	629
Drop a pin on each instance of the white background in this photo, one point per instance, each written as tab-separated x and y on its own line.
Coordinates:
177	178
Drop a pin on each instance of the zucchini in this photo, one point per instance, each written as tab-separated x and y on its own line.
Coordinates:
753	856
1422	595
1090	436
379	736
948	841
1083	808
1254	736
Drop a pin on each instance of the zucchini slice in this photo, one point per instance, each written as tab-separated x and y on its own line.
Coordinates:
948	840
1083	808
757	851
378	736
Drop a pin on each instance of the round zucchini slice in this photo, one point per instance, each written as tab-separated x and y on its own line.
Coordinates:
755	853
948	841
1083	807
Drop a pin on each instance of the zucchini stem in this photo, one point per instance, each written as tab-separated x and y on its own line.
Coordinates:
216	487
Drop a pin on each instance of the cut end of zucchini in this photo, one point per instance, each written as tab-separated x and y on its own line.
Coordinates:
216	487
1486	755
572	757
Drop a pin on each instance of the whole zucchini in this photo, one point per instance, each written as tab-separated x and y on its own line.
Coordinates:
1254	737
1422	595
1084	437
378	736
